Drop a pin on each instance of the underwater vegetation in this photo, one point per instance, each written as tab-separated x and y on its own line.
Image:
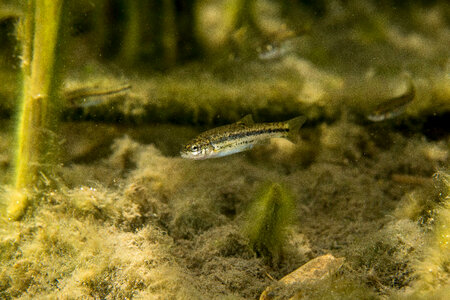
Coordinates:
432	270
98	96
38	32
269	217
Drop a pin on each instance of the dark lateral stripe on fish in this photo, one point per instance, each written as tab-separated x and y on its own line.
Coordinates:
238	135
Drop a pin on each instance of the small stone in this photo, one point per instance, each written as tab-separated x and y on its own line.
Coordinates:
316	269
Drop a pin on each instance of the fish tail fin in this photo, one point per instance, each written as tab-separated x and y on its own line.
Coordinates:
294	126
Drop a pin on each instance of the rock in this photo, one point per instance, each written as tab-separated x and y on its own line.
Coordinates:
316	269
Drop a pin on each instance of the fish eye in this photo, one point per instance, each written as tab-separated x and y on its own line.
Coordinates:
194	148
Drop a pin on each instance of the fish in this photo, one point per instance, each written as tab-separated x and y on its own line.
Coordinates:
238	137
278	50
393	107
273	52
87	97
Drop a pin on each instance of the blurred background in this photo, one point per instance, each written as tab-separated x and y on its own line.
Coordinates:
311	53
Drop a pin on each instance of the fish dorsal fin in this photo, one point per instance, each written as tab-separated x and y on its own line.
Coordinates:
247	120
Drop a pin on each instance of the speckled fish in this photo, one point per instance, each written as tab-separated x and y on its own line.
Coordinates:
273	52
240	136
393	107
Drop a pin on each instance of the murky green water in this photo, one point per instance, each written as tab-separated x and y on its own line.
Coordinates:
117	213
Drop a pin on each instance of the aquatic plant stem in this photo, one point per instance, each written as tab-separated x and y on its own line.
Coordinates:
40	28
169	36
240	13
132	36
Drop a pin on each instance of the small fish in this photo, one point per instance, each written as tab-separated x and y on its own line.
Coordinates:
273	52
394	107
87	97
283	42
238	137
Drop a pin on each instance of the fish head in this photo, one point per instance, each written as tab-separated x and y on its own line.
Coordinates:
197	149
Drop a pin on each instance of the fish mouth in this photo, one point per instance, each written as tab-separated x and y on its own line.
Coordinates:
184	154
189	155
193	156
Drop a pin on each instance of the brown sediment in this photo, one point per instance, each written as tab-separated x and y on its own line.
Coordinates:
189	215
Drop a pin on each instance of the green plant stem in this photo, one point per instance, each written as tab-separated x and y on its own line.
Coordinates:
132	36
240	13
39	86
169	40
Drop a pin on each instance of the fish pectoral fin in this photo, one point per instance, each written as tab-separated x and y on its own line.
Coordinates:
247	120
263	142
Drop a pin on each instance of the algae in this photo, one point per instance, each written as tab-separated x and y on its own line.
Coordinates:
268	220
148	196
123	216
